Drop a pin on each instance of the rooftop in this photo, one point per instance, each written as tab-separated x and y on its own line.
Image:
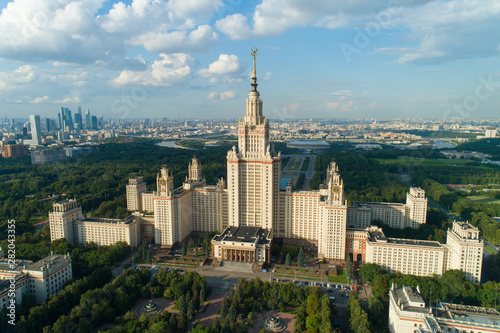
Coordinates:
245	235
54	259
467	313
126	220
381	204
409	300
401	241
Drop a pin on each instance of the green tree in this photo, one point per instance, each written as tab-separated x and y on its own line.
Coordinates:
348	267
288	259
368	271
301	257
376	309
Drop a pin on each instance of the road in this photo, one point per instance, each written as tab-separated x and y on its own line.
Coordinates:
407	178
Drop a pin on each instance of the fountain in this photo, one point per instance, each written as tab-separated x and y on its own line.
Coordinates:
150	309
274	324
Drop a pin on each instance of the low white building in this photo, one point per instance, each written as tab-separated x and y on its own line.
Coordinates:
463	251
41	279
409	313
67	221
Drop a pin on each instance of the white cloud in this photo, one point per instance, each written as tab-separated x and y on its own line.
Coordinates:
67	100
75	32
215	96
39	100
273	17
202	9
235	26
267	77
347	106
344	93
170	69
227	67
443	30
450	30
199	40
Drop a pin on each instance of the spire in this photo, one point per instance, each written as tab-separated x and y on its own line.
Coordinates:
254	53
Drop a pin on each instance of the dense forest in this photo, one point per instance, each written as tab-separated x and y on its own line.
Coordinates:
489	146
97	181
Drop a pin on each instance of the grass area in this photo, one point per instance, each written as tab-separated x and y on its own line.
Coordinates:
298	276
176	306
425	162
484	198
284	162
294	165
341	278
305	164
490	249
181	265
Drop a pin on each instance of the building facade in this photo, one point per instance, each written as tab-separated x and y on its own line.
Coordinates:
41	279
409	313
66	220
36	131
14	150
463	251
252	198
243	244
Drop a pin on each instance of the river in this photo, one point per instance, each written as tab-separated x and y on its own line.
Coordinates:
442	144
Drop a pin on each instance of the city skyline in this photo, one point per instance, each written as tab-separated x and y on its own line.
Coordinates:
155	59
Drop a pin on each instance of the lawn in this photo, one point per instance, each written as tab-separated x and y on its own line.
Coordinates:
341	278
425	162
294	165
298	276
490	249
484	198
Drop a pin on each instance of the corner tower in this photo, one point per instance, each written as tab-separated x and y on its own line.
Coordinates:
254	169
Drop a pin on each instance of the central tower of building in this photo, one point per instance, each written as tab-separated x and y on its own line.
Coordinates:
254	169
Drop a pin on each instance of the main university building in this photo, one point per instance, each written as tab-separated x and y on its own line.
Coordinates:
251	209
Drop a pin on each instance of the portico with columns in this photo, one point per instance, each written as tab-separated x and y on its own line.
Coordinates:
243	244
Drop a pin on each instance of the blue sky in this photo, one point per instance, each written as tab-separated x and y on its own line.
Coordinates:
191	58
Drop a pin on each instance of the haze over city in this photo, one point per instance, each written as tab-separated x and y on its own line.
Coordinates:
190	59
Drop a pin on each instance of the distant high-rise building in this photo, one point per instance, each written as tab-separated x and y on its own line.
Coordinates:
36	131
59	116
69	119
78	121
94	125
100	122
88	121
491	132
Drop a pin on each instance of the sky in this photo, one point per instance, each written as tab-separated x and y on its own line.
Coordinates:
191	58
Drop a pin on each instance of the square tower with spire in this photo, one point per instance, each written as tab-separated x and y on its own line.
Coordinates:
254	168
